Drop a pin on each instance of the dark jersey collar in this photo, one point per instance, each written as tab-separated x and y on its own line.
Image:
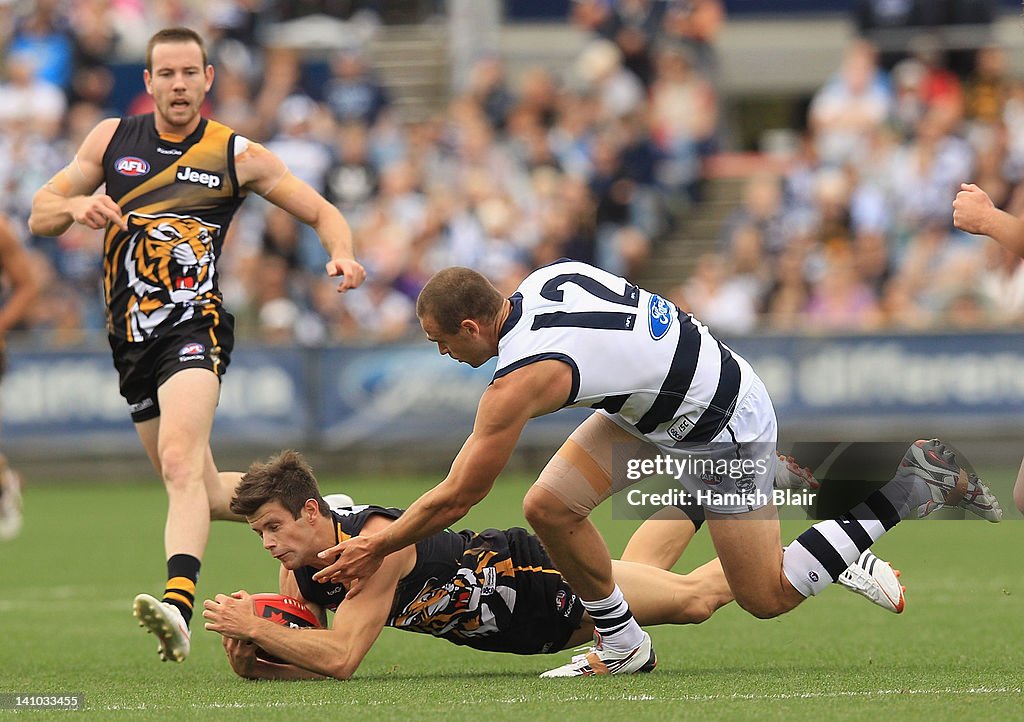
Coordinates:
189	140
514	314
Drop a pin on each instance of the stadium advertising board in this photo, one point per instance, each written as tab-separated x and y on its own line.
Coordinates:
72	396
343	397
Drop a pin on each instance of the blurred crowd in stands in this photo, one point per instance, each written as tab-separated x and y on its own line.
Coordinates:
846	229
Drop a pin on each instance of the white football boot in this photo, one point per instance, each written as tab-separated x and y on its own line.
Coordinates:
10	504
165	621
599	660
875	579
948	483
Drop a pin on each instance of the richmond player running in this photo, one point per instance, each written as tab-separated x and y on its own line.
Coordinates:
173	183
494	590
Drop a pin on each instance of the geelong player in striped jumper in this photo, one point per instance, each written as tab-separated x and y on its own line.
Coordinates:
575	335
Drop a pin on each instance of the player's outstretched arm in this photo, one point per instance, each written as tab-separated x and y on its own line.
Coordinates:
505	407
974	212
263	172
68	197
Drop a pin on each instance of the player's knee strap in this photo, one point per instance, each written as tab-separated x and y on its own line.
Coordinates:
576	478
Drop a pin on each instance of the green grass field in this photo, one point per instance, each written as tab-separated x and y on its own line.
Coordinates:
67	582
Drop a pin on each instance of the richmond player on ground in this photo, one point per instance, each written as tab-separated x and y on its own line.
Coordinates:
493	590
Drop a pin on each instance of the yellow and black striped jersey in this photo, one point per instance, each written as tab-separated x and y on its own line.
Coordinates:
179	198
495	590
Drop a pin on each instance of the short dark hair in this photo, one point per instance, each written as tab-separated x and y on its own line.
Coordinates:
285	478
455	294
174	35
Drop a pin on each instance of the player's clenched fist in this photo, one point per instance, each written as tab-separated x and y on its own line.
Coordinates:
971	208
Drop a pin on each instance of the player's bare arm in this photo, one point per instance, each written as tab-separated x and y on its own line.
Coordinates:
505	407
17	268
974	212
234	617
264	173
68	197
314	654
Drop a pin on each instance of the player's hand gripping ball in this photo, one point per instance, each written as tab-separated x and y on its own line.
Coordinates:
287	612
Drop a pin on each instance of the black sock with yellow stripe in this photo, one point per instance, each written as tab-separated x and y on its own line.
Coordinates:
182	575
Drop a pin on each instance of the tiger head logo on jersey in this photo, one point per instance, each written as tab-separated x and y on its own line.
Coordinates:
169	261
452	607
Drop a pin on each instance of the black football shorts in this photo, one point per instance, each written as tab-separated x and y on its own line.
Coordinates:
143	366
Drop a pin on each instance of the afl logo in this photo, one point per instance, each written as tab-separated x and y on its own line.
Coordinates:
131	166
192	349
659	316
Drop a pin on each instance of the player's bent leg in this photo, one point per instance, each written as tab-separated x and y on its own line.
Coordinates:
187	402
929	477
575	481
573	542
220	486
571	485
220	505
149	435
750	550
661	539
656	596
220	489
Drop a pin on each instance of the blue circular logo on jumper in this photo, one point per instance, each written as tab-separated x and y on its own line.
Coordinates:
659	316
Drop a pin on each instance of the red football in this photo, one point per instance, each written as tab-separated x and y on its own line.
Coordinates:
283	610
